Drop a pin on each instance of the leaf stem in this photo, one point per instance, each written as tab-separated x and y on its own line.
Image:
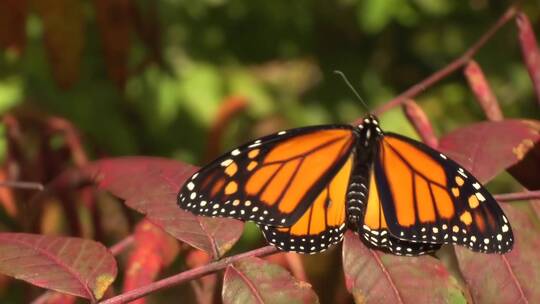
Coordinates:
117	248
22	185
517	196
187	275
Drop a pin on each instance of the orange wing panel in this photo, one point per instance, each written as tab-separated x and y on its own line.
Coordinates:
260	178
279	182
321	216
445	205
374	217
312	168
400	180
426	210
303	144
421	162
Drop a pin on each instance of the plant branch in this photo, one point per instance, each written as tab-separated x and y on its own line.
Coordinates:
517	196
119	247
22	185
450	68
187	275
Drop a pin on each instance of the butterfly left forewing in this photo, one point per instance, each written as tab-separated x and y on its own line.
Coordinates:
272	180
429	198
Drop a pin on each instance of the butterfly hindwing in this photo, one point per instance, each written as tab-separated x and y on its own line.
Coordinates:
272	180
429	198
375	232
322	224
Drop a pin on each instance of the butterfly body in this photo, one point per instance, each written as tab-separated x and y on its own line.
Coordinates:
305	187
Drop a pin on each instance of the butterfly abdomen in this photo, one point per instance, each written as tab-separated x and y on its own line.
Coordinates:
356	199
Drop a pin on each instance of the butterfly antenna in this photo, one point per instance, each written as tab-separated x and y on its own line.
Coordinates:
348	83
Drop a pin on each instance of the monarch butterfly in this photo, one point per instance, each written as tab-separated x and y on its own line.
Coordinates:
304	187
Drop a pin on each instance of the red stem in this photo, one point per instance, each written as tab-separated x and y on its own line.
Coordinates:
450	68
119	247
187	275
517	196
22	185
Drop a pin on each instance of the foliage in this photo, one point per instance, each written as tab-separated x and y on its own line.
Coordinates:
84	82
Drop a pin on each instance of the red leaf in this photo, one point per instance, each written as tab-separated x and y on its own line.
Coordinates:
114	19
53	297
373	277
13	24
529	49
482	91
487	148
509	278
150	186
63	25
154	250
256	281
75	266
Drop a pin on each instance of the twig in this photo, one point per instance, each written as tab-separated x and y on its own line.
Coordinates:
119	247
187	275
22	185
517	196
450	68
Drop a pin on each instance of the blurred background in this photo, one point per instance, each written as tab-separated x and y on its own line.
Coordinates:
190	79
149	77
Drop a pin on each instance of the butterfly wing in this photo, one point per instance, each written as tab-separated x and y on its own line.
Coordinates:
273	180
374	230
322	224
429	198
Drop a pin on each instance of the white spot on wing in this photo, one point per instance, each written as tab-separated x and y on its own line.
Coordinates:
480	197
226	162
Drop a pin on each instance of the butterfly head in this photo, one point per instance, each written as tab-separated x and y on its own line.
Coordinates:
369	130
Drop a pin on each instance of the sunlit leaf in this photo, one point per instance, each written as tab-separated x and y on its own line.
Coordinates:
488	148
75	266
256	281
150	186
374	277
